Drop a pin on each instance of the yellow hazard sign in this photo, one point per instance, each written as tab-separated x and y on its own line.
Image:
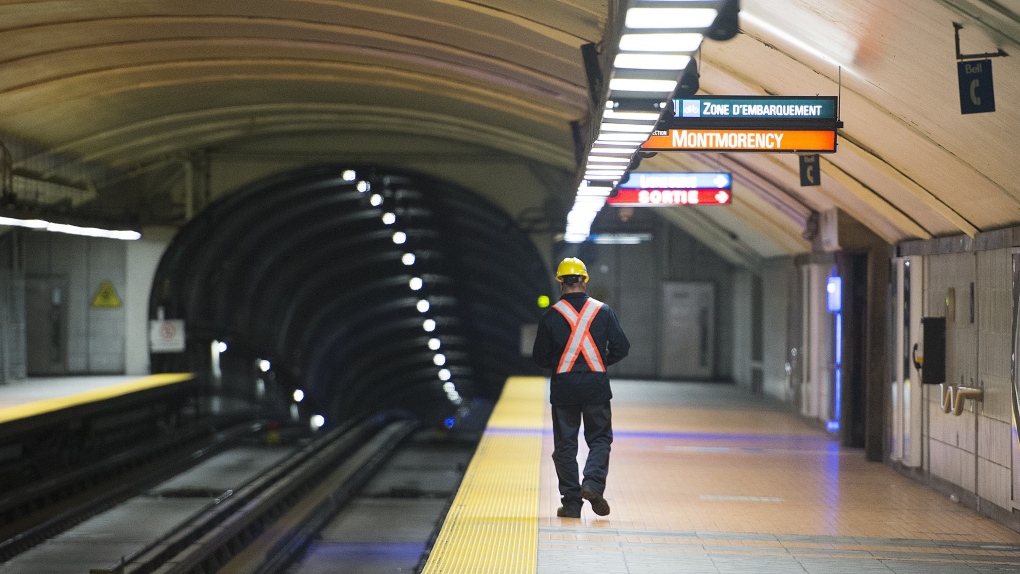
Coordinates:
106	296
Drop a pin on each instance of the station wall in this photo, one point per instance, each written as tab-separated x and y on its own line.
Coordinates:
56	279
974	453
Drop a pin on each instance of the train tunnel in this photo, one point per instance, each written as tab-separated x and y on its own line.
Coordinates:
359	288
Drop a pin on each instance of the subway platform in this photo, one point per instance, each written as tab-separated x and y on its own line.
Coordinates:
704	479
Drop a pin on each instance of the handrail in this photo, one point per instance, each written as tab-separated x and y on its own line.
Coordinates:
953	397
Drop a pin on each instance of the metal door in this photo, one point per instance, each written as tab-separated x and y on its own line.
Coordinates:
688	330
46	325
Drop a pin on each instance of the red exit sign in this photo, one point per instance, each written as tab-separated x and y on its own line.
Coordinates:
630	197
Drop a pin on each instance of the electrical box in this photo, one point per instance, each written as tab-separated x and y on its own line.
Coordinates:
933	371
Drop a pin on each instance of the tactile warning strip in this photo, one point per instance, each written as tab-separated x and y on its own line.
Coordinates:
50	405
492	525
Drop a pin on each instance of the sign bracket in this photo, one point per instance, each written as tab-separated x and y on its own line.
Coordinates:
956	30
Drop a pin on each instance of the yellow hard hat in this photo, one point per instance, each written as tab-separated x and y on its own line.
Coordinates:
571	266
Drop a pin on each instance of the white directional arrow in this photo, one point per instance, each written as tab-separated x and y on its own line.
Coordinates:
722	197
721	180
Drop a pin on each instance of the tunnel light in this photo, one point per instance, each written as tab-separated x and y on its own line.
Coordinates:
670	18
316	422
423	305
299	395
408	259
350	175
444	374
429	325
667	42
265	365
399	237
448	386
415	283
434	344
389	218
651	61
439	359
363	186
375	200
220	346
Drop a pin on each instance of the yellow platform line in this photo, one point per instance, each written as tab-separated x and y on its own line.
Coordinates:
492	525
44	406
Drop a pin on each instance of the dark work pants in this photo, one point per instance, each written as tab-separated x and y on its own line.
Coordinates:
598	433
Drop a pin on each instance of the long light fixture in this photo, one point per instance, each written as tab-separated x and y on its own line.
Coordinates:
656	45
42	225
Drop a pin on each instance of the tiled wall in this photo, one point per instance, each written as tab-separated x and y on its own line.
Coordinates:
974	448
95	335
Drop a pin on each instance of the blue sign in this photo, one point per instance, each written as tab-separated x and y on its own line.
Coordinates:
977	94
834	293
756	107
694	180
810	170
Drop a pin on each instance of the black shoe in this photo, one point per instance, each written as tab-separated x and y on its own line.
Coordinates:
598	504
564	512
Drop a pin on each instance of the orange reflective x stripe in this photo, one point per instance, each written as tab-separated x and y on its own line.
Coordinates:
580	342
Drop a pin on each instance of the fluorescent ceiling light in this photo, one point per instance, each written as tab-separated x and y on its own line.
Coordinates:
670	18
614	137
638	85
29	223
633	116
608	159
683	42
126	235
651	61
633	128
614	150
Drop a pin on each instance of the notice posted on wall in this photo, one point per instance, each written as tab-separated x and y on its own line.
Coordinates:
166	336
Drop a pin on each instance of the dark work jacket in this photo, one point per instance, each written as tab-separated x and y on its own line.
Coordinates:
580	385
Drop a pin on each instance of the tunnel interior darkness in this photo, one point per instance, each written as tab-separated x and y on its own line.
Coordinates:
364	288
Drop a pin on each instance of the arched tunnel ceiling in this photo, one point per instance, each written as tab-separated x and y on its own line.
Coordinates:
478	83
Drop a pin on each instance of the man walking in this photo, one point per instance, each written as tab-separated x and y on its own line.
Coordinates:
578	338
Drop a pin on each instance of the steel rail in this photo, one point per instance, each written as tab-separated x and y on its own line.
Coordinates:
230	523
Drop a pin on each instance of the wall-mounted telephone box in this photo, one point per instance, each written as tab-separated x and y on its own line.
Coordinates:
933	372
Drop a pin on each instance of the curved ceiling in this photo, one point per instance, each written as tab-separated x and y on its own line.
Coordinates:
488	94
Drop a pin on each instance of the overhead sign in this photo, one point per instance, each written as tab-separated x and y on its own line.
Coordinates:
977	94
742	140
166	336
810	170
646	189
749	123
106	297
771	107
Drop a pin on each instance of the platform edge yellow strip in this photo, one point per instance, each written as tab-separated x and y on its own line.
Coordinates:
492	525
51	405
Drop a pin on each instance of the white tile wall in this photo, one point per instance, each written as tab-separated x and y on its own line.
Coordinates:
995	483
994	294
977	354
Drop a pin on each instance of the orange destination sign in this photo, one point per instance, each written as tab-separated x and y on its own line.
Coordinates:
742	140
